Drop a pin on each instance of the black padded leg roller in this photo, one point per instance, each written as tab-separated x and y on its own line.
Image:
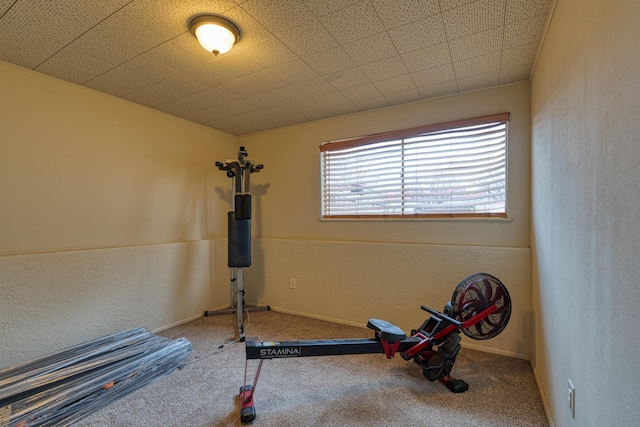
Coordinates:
239	235
246	206
237	205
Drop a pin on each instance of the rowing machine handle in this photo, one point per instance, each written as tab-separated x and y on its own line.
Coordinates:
441	316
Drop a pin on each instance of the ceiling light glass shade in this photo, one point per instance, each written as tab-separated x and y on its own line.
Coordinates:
215	34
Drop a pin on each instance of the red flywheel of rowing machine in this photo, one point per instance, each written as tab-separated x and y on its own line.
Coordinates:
473	295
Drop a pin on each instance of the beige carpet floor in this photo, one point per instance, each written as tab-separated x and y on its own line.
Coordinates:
358	390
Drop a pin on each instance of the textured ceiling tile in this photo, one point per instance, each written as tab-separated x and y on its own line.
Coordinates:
319	114
250	122
174	57
263	81
312	88
251	31
330	61
269	53
371	103
264	100
5	5
151	95
474	18
238	106
524	32
330	99
30	35
183	85
77	12
384	69
352	23
60	70
299	107
433	76
165	91
198	7
324	7
294	72
429	57
439	89
347	78
480	81
395	13
476	44
365	91
278	14
133	31
452	4
149	67
371	49
308	58
119	81
188	42
477	65
397	98
396	84
306	39
522	55
339	110
237	64
277	121
208	116
518	10
511	75
202	100
98	43
276	97
81	66
208	75
419	34
155	21
171	108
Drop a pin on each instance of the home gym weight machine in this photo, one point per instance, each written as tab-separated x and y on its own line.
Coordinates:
239	235
480	308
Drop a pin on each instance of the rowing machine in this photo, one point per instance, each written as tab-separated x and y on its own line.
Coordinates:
480	307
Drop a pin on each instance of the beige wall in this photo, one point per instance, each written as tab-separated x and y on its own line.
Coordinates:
349	271
110	215
586	199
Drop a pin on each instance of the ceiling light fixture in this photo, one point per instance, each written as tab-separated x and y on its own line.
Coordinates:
215	33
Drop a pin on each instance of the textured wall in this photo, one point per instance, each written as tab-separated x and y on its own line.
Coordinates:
585	199
54	300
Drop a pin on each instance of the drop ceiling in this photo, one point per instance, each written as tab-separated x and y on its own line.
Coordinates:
297	60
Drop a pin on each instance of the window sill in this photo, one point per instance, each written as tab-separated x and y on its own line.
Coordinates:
422	219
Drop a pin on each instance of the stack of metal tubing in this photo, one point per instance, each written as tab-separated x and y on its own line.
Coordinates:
60	388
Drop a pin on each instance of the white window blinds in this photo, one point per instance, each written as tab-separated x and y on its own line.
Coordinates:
453	169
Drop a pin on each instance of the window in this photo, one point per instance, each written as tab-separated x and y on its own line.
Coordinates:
453	169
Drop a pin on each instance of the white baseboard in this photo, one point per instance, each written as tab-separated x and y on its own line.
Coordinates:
178	323
543	397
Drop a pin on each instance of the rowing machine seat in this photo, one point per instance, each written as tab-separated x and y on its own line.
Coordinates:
388	331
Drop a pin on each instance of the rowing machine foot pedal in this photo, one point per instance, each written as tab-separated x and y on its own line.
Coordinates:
247	406
456	386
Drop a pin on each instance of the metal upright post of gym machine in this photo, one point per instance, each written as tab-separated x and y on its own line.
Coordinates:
239	234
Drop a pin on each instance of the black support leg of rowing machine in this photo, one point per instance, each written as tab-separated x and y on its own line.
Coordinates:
456	386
